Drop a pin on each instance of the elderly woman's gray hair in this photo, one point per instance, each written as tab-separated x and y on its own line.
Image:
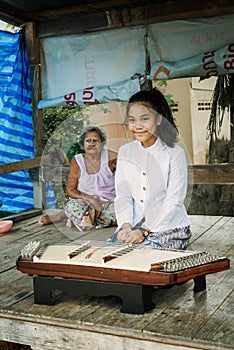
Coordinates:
90	128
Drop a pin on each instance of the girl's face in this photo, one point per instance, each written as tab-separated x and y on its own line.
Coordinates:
143	122
92	142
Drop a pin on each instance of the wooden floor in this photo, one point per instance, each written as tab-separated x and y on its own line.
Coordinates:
180	320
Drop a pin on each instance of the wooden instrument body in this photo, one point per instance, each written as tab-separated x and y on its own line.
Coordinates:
155	278
134	287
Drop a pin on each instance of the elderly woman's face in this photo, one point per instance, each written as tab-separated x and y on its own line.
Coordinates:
92	142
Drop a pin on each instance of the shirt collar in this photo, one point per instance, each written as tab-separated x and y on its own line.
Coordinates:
158	144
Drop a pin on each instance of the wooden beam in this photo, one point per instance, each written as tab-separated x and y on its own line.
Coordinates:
212	174
84	8
153	12
11	14
27	214
198	174
76	25
172	11
183	9
114	18
20	165
33	51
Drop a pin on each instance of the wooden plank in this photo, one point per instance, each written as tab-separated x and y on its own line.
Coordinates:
13	242
199	224
82	8
54	334
179	9
198	174
14	288
27	214
20	165
218	238
66	308
219	327
189	313
33	48
156	12
75	25
12	14
212	174
176	322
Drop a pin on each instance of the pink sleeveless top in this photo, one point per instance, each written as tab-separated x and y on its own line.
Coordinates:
102	183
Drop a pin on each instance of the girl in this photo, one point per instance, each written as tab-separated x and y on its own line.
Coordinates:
151	178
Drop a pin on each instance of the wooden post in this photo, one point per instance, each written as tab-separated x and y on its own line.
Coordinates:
33	53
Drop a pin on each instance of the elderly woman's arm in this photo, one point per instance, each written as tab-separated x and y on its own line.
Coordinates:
72	184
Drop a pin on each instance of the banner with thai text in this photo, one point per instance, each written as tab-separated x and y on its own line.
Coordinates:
205	65
93	95
199	47
75	62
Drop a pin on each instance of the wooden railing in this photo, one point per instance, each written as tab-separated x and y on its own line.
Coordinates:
198	174
212	173
20	165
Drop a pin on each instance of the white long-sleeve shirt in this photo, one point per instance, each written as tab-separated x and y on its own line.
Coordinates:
152	183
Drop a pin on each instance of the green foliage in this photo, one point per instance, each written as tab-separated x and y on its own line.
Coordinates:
53	117
62	125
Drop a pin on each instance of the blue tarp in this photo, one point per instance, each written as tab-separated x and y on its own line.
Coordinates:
16	127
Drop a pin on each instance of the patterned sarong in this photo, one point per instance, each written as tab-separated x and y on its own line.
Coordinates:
177	238
82	214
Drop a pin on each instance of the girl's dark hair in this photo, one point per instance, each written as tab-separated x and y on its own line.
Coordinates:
94	128
154	99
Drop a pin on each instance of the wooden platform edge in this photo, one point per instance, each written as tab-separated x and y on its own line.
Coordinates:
28	214
67	333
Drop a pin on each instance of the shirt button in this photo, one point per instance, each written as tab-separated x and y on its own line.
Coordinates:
141	200
144	188
144	173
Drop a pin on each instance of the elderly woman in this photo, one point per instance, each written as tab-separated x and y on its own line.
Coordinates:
90	184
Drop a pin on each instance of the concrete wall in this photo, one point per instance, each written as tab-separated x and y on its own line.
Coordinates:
194	102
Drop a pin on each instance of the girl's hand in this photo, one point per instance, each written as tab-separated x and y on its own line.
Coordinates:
134	237
122	234
130	237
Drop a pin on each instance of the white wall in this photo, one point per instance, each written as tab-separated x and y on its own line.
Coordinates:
194	102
